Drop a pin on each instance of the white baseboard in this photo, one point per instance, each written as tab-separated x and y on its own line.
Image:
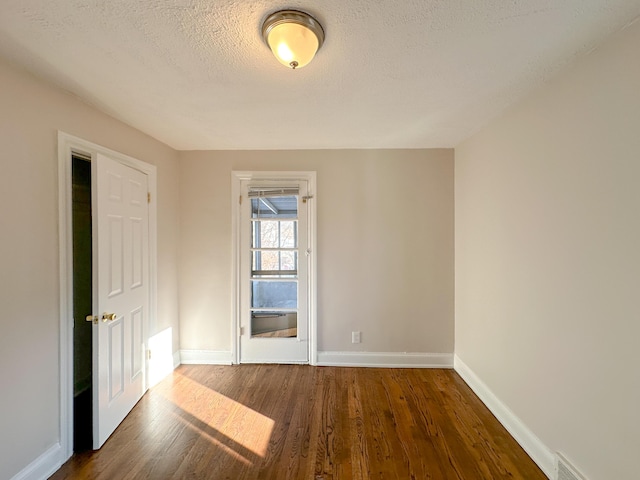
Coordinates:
531	444
205	357
42	467
385	359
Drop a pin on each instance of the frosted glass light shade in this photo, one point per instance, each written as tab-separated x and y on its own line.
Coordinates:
293	45
293	37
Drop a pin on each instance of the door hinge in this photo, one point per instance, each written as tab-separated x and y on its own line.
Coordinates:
240	200
148	354
241	331
148	197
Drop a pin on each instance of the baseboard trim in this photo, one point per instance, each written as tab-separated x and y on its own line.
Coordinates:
538	451
385	359
44	466
205	357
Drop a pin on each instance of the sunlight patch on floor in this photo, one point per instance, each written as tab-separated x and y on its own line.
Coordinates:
224	420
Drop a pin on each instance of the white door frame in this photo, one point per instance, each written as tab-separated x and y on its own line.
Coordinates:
67	146
236	178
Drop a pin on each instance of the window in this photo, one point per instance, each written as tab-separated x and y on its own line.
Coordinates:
274	265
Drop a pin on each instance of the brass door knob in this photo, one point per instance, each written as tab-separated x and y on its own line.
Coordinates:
108	317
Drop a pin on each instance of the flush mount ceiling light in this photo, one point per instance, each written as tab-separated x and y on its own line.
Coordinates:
294	37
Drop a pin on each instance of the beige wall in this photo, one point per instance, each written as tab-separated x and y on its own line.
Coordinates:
548	259
30	115
385	246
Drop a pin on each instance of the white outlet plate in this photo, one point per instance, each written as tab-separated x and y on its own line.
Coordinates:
355	337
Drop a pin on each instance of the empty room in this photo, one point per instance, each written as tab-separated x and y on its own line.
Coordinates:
320	240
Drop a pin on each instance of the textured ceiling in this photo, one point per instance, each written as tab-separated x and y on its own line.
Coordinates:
392	74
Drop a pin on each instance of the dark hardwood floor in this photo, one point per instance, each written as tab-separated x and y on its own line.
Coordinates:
313	423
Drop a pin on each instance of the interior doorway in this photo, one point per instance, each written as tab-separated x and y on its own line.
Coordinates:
106	256
82	303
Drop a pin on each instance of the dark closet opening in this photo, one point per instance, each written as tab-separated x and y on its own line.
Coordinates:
82	305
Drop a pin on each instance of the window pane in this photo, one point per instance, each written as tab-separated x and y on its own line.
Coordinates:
275	264
267	294
288	260
265	234
274	324
274	207
268	260
288	234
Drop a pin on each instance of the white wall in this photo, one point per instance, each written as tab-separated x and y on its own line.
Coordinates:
30	115
548	259
385	246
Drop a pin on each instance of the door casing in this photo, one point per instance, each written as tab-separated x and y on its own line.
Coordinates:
236	178
67	146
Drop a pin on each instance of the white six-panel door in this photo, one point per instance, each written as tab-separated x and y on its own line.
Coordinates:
121	292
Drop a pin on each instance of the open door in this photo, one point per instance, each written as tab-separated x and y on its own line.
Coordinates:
120	215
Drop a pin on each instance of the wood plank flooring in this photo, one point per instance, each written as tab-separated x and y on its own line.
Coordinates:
309	423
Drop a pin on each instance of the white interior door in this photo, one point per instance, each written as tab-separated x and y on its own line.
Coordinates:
274	266
120	215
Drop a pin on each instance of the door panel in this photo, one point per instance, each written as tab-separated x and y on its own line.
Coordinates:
137	342
115	367
115	257
121	282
